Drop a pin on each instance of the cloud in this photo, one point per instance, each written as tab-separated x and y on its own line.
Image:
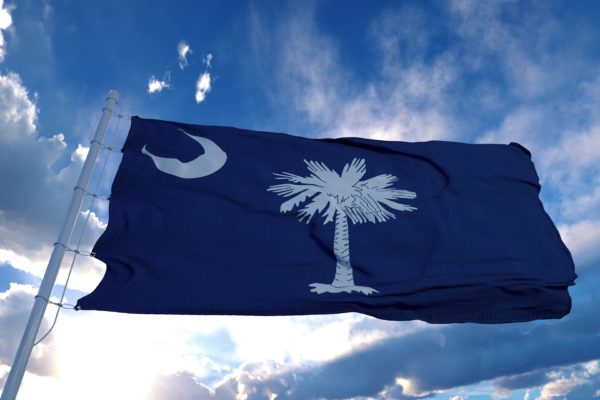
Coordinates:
560	385
218	357
400	100
155	85
203	86
18	113
204	82
238	385
5	23
38	175
476	353
571	166
208	60
537	66
521	381
179	386
582	238
413	364
522	51
183	49
15	306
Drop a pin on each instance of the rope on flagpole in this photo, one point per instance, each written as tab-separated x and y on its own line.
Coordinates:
76	251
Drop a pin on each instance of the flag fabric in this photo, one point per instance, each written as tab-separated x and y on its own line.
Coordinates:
219	220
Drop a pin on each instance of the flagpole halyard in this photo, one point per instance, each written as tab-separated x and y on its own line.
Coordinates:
19	365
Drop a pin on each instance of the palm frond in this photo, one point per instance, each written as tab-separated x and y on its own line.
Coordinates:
354	171
398	194
387	197
287	189
379	193
378	182
305	180
321	171
366	209
317	205
398	206
329	193
330	211
354	214
295	201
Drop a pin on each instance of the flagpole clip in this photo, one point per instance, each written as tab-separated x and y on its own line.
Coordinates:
60	305
94	195
102	146
76	251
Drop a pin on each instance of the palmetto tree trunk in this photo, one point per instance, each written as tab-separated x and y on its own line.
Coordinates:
343	281
341	250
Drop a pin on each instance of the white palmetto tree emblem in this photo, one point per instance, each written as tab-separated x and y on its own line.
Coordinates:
341	197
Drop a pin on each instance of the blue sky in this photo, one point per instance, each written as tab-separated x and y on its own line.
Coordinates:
470	71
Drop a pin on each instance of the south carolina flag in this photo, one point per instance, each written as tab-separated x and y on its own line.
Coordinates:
218	220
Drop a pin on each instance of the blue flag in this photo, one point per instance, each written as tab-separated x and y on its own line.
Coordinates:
218	220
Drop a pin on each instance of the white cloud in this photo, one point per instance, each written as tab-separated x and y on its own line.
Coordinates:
203	86
92	218
5	23
208	60
573	154
220	356
522	124
407	101
15	306
80	152
183	49
592	367
523	51
560	387
18	113
33	262
561	383
204	82
35	193
570	167
156	85
582	239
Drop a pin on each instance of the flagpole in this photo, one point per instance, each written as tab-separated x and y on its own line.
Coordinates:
19	365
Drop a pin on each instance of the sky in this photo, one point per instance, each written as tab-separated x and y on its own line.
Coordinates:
468	71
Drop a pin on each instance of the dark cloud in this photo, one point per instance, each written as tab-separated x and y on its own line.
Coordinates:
448	357
429	359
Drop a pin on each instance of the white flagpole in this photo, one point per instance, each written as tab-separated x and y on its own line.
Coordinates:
19	365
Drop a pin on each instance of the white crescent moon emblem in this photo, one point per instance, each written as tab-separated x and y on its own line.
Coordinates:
205	164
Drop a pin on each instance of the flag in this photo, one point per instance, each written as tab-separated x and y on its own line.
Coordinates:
219	220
